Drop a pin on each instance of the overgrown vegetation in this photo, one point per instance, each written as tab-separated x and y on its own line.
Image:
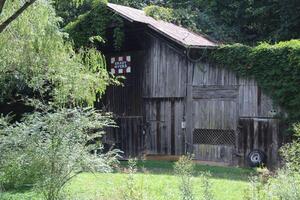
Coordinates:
276	68
60	138
283	184
184	168
131	189
36	61
94	20
47	149
290	152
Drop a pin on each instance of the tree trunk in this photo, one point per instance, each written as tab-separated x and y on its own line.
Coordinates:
15	15
2	2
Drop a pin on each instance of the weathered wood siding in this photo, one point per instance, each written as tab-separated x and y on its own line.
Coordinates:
165	135
262	134
220	99
164	89
129	136
126	99
165	71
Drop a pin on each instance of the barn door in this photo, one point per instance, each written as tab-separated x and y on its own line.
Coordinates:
128	136
164	134
215	122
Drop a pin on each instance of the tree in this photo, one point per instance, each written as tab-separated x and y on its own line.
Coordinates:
16	14
36	62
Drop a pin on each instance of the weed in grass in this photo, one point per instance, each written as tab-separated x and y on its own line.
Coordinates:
132	190
184	169
206	186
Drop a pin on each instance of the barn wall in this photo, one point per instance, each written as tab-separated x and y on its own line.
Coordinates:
220	100
126	99
164	93
165	71
183	103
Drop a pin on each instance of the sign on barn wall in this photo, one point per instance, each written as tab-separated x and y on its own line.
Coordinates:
120	65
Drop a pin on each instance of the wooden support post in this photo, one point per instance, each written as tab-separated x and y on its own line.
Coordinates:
189	120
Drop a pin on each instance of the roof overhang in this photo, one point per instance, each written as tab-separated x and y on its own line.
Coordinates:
177	34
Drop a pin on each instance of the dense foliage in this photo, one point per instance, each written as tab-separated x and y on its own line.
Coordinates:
47	149
94	21
290	152
37	62
275	67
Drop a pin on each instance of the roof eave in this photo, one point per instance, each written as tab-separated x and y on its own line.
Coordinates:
122	15
164	34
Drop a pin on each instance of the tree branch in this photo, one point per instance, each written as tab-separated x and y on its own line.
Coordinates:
15	15
2	2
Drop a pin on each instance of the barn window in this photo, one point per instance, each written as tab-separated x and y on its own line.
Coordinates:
214	136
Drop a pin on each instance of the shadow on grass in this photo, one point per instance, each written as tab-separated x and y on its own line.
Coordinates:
167	167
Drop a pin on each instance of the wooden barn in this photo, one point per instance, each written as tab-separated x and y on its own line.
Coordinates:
173	102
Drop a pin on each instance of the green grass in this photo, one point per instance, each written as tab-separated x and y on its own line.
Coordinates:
155	178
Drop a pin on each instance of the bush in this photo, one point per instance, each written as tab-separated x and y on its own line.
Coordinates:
285	185
47	149
291	152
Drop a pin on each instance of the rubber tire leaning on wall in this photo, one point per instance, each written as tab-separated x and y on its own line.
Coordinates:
256	158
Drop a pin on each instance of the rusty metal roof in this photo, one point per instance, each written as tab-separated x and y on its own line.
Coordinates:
176	33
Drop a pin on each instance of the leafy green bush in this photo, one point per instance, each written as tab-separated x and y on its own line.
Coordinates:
290	152
284	185
47	149
276	68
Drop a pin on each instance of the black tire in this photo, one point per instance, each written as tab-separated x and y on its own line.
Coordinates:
256	158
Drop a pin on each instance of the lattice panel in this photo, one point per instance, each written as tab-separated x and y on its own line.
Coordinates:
214	136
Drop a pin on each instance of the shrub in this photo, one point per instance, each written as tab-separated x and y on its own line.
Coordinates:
47	149
290	152
184	168
285	185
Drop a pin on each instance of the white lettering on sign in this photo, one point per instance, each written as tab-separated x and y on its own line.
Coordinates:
120	64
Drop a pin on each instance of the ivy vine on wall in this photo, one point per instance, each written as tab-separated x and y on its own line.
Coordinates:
94	24
276	68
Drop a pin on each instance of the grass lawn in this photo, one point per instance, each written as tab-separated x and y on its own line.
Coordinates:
155	178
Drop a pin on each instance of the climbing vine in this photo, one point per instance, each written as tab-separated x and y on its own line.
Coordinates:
276	68
94	23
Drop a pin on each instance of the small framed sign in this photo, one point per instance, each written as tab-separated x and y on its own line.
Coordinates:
120	65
